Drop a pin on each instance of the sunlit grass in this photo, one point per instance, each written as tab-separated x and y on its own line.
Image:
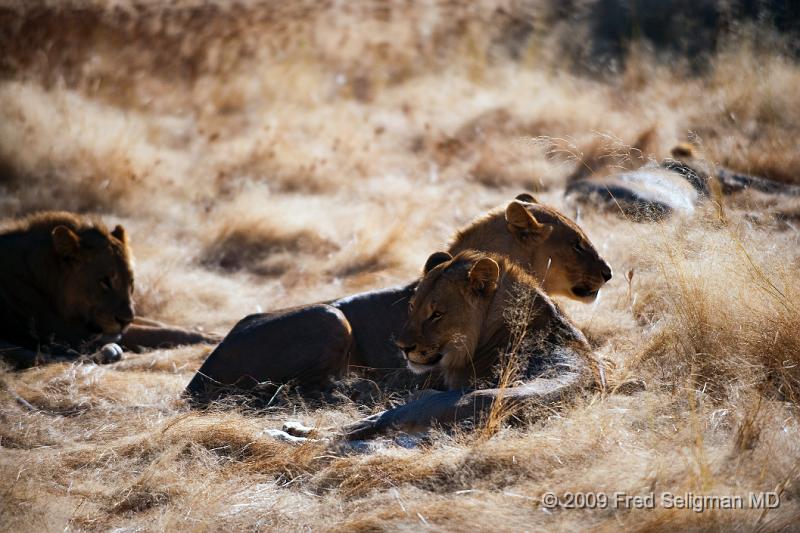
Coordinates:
270	156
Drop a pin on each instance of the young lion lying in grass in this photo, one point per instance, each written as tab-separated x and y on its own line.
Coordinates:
498	340
66	293
314	344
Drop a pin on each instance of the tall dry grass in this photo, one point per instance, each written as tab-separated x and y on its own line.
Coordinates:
264	155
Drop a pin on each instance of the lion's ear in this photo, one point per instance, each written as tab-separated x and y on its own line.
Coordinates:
522	224
65	241
484	274
527	198
119	234
436	259
683	150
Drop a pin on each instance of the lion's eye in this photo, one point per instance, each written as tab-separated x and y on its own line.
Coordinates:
105	284
579	247
436	315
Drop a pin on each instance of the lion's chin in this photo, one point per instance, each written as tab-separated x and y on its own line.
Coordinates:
105	329
422	368
94	327
584	294
112	337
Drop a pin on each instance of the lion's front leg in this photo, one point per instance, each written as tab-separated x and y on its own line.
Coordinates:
110	352
454	407
24	358
417	416
143	336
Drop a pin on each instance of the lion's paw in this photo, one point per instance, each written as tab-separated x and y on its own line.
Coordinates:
109	353
297	429
293	432
281	435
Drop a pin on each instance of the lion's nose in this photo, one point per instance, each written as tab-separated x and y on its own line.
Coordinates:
407	348
124	318
606	272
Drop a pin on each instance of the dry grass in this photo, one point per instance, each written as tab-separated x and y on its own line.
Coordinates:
265	156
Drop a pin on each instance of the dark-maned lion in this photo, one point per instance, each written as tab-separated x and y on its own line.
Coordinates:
482	321
66	286
310	345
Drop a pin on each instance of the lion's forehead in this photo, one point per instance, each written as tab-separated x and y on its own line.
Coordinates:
438	289
549	215
124	270
115	261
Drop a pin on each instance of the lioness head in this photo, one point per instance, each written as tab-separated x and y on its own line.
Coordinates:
95	277
447	310
545	243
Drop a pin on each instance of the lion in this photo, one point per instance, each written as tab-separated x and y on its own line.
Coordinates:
66	289
484	323
313	345
658	190
650	193
697	171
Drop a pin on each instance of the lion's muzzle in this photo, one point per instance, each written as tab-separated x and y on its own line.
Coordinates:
423	357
